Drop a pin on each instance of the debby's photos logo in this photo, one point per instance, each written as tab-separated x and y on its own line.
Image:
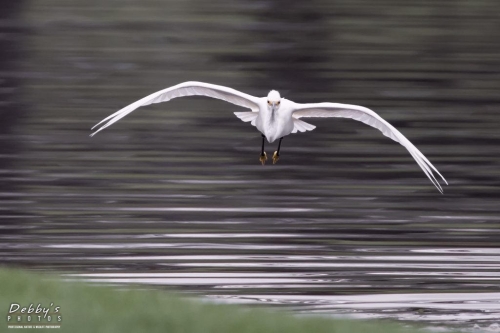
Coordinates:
34	316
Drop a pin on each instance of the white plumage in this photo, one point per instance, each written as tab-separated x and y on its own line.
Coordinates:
276	117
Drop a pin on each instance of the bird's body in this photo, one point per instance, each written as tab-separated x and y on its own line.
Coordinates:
275	125
276	117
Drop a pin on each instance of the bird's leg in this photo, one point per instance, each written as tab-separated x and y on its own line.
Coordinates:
263	155
276	155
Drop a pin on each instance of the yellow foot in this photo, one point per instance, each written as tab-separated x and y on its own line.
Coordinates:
263	158
276	157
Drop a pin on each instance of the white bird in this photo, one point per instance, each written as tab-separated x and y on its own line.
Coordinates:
276	117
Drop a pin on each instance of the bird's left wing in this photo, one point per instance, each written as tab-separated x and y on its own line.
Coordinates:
368	117
184	89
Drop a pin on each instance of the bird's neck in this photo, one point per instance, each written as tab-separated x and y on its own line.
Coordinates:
272	116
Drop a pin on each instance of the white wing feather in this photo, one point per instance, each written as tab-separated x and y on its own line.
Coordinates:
184	89
248	116
301	126
369	117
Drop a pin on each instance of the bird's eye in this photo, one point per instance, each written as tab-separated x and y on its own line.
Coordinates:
279	102
269	102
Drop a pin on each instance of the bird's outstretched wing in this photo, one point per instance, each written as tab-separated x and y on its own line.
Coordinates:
368	117
184	89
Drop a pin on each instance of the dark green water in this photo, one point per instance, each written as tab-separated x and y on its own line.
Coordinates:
173	196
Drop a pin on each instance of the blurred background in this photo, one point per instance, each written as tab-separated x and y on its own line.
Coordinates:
174	196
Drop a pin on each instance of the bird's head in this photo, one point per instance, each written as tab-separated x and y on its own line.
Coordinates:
273	100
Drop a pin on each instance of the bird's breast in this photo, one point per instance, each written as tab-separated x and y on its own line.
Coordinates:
274	125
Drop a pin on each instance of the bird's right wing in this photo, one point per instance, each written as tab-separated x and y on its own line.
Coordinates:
184	89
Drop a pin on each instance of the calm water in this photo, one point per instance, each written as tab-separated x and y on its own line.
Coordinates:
173	196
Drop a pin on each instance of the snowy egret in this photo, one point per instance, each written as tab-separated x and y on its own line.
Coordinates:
276	117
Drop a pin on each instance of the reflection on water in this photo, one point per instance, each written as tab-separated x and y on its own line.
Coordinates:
174	195
303	264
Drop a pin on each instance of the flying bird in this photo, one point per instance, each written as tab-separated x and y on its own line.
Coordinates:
276	117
